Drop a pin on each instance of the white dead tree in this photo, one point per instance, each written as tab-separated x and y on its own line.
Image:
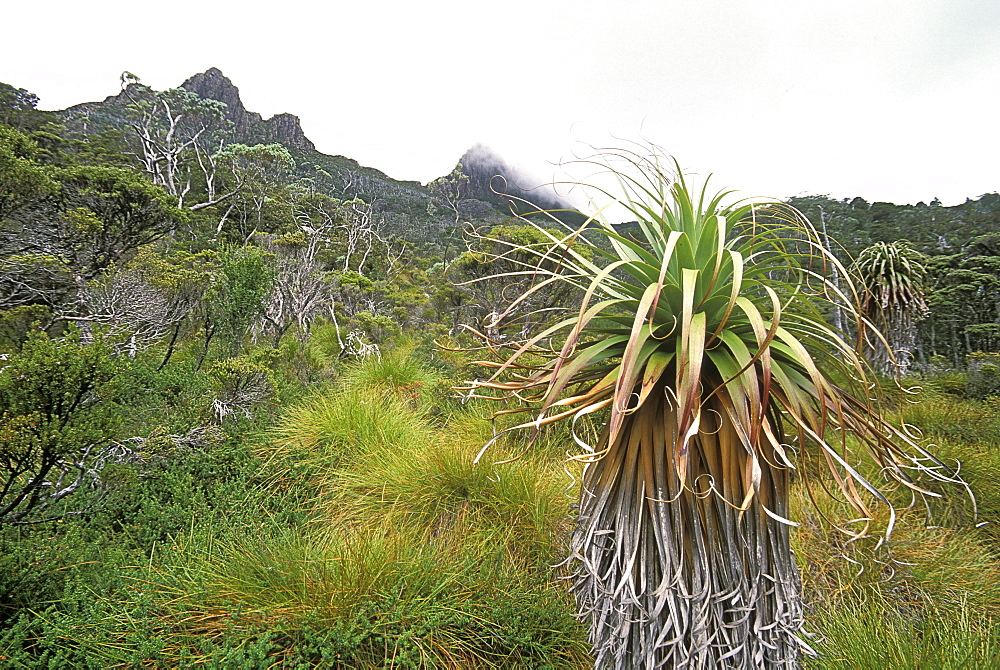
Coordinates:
301	287
361	228
172	128
135	313
240	387
451	190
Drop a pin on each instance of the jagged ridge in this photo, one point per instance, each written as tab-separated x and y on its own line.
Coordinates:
403	204
282	128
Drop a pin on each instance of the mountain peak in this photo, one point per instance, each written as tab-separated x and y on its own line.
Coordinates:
214	85
250	126
491	178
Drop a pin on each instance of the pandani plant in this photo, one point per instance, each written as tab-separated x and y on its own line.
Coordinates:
699	343
891	275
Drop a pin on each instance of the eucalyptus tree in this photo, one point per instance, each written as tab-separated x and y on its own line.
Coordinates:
302	288
15	105
353	230
700	339
254	176
892	279
138	306
451	189
23	180
175	130
78	222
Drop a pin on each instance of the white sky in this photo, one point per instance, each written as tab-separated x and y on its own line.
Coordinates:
889	100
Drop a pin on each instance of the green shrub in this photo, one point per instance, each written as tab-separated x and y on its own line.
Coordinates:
59	417
984	375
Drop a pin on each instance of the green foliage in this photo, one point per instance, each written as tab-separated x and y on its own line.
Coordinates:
349	278
57	416
401	552
119	211
377	327
258	177
247	279
258	163
436	484
93	217
236	578
22	179
892	275
170	132
170	398
73	594
398	371
932	594
416	557
984	375
509	260
16	324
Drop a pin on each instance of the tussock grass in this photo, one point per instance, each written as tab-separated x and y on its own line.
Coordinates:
930	598
362	593
379	591
943	417
398	371
966	436
408	555
415	556
437	485
869	631
331	429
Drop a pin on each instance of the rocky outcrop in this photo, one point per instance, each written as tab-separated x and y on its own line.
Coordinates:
285	129
214	85
250	127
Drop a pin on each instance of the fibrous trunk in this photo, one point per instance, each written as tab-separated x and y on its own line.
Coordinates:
678	576
899	328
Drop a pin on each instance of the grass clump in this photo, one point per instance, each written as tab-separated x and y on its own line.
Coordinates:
328	430
393	549
399	372
415	556
940	416
929	598
869	631
376	595
438	485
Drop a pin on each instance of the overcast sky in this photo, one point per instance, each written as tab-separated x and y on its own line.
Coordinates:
889	100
